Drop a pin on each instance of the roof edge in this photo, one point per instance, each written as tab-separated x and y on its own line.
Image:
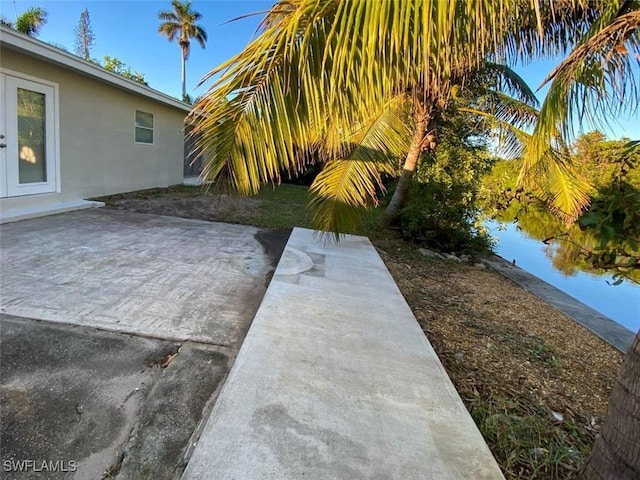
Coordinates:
20	42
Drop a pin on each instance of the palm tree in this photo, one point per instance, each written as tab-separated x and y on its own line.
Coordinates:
28	22
493	98
357	83
308	84
180	23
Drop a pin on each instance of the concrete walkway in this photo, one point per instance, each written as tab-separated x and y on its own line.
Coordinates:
336	380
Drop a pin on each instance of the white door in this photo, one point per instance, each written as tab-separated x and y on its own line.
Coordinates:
27	123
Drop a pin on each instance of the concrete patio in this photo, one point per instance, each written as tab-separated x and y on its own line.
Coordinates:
163	277
117	330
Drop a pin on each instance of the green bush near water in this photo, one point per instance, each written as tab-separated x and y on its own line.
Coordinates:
442	209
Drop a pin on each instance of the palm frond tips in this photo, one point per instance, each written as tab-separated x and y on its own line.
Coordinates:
556	182
597	81
262	109
351	183
340	191
567	192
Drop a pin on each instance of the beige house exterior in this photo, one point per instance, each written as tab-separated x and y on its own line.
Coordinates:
71	130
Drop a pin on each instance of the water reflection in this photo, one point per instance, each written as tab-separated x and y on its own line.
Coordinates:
560	263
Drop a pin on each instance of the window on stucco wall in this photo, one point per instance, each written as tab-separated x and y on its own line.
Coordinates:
144	128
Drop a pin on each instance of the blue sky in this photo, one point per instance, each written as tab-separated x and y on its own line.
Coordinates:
128	30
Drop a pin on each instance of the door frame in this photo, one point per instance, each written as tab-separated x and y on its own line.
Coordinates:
10	186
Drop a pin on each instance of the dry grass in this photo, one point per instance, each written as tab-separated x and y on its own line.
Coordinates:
535	382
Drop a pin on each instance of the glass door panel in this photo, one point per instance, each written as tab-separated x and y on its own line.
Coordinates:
32	129
30	137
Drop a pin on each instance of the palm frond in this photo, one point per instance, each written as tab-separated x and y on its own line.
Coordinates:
598	80
631	147
511	138
308	67
509	109
262	108
601	72
317	69
31	21
504	79
348	184
546	29
169	30
169	17
564	190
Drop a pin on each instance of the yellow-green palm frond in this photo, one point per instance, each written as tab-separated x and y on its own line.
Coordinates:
554	179
559	185
544	29
598	80
268	102
316	63
418	46
316	69
352	182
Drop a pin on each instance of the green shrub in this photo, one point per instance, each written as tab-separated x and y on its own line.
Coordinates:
443	217
441	208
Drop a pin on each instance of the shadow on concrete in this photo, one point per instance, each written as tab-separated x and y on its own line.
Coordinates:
79	399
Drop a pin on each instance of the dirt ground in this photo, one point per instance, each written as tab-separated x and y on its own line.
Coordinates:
535	382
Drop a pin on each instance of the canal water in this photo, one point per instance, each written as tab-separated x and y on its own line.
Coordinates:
621	303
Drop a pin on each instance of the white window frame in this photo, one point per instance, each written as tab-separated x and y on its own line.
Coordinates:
136	126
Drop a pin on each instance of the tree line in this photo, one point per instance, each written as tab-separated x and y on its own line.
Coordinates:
606	236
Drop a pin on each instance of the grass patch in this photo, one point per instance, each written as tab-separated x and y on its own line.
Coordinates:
540	351
176	191
283	206
526	441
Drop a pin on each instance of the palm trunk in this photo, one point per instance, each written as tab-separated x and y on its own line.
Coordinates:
184	75
616	453
421	119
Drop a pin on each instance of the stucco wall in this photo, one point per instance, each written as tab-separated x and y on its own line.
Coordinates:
98	155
